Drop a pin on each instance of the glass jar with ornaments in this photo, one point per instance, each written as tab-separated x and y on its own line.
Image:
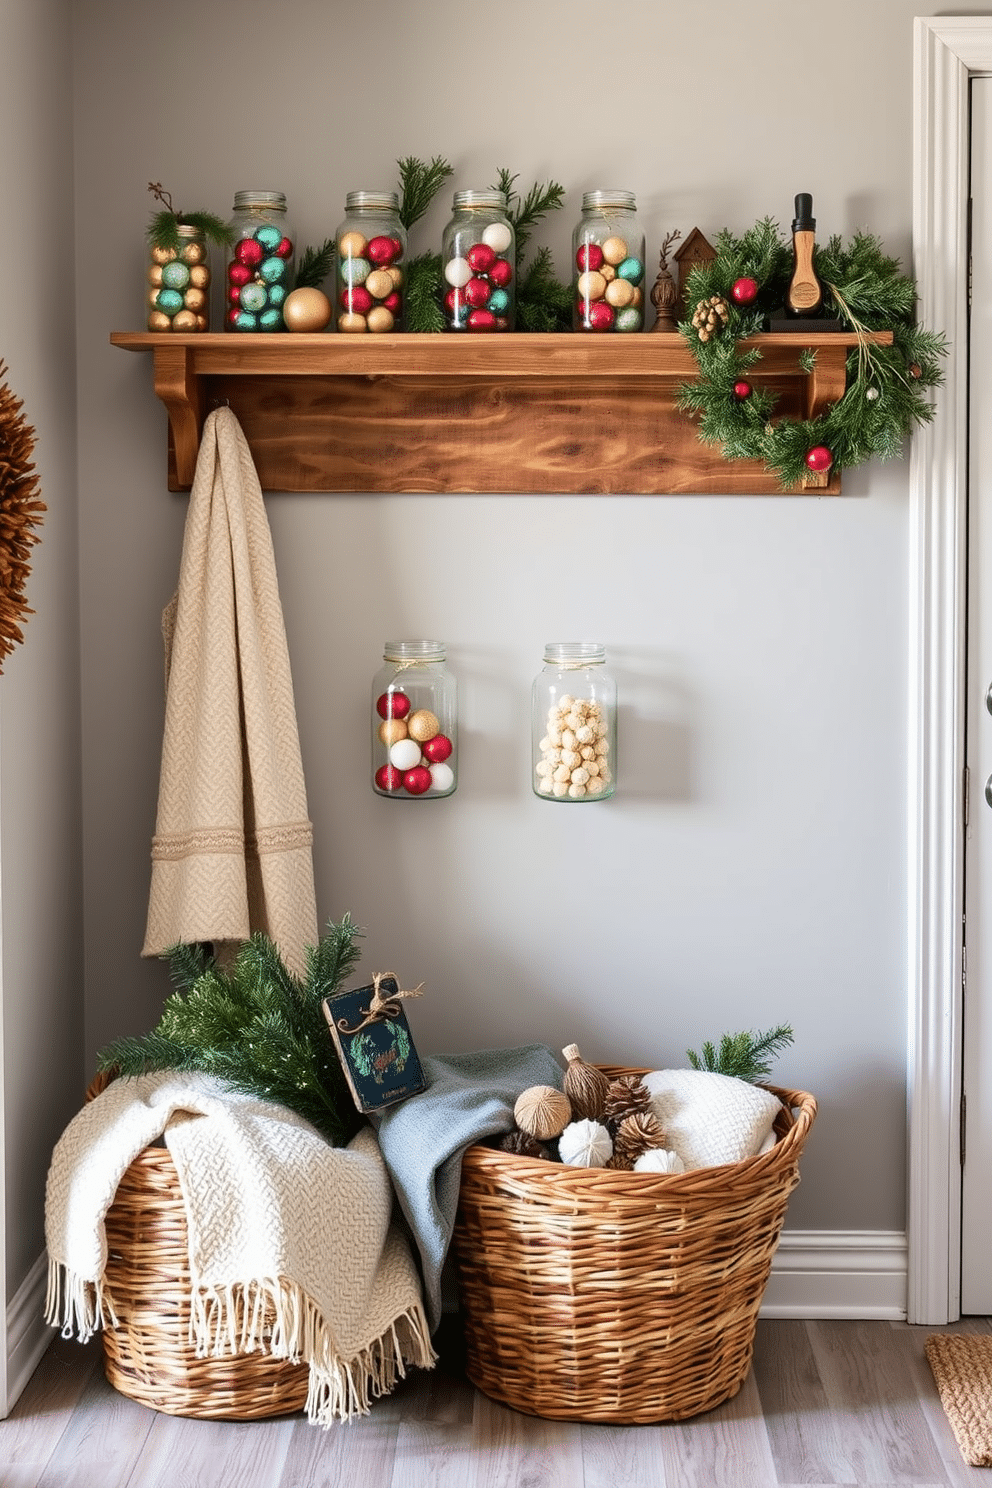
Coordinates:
478	258
414	722
261	262
608	264
574	723
178	284
371	248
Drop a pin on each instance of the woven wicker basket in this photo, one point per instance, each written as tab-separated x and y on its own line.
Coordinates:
594	1295
148	1356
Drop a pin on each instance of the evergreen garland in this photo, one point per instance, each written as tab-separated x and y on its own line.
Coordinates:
163	229
543	302
746	1056
256	1027
420	182
885	397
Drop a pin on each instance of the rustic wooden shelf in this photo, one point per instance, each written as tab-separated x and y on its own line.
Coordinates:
455	413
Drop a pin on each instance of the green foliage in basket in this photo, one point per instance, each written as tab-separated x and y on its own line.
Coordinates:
747	1056
255	1026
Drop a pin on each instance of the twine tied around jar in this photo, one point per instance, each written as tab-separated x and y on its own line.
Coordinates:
381	1007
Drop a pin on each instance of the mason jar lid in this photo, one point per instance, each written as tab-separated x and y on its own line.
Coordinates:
493	199
379	201
274	201
187	230
598	201
414	651
574	653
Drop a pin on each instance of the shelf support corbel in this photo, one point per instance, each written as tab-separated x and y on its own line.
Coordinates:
181	390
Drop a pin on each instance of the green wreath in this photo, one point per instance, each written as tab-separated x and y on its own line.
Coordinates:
885	395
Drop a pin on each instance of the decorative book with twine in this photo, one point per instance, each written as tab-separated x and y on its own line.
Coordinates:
372	1037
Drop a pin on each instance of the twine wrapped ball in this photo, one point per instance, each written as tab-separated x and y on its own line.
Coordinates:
585	1085
542	1111
585	1144
659	1160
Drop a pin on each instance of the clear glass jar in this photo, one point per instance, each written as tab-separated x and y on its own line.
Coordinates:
370	271
178	284
414	722
261	262
608	264
574	724
479	263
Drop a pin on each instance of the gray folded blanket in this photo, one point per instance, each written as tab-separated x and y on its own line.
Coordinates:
468	1097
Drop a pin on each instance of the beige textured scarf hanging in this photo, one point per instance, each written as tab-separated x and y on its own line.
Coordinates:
232	851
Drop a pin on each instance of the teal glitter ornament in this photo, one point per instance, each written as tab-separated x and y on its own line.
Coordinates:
272	270
499	302
175	275
169	301
246	321
277	294
631	269
270	320
254	297
355	271
269	236
629	319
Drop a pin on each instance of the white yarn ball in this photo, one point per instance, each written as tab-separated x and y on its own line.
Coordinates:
585	1144
658	1160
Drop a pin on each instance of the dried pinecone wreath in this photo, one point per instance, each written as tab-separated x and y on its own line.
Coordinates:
20	514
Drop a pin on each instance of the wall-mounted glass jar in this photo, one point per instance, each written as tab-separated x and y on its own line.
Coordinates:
608	264
574	724
478	261
261	262
414	722
178	284
370	269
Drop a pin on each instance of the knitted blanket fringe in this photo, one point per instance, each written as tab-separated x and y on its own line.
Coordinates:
273	1317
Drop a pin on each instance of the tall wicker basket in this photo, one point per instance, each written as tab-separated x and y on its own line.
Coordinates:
148	1355
594	1295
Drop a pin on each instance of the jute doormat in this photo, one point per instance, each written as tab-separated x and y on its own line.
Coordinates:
962	1367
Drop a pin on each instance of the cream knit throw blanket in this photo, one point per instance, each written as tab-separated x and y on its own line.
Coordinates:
232	851
275	1216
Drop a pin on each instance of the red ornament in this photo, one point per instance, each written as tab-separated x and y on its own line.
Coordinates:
417	780
393	705
437	749
238	274
388	778
480	258
744	291
249	252
394	302
481	320
742	390
599	315
477	292
589	256
234	294
232	317
452	300
501	273
357	299
381	250
285	249
819	458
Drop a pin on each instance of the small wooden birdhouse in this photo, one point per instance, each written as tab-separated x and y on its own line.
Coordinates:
695	250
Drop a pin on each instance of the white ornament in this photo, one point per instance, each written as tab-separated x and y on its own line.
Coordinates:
458	271
658	1160
405	754
585	1144
442	776
497	236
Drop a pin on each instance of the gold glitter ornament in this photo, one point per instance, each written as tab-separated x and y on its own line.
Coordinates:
542	1111
306	309
423	725
585	1085
391	730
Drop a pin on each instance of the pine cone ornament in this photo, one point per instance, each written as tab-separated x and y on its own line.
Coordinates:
635	1135
625	1096
585	1086
711	316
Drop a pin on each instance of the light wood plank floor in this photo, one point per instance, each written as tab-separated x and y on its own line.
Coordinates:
827	1403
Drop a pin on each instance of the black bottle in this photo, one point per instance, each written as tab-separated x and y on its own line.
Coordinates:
804	296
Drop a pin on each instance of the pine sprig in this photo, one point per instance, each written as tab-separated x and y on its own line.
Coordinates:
525	214
746	1056
256	1027
315	264
163	229
544	303
424	291
420	182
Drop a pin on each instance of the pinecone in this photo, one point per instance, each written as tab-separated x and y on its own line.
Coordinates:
635	1135
521	1144
625	1096
711	316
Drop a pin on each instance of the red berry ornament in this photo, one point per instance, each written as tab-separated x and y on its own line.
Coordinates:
437	749
285	249
744	291
480	258
417	780
388	778
393	705
742	390
249	252
501	273
819	458
481	320
477	292
356	299
589	256
599	316
381	250
238	273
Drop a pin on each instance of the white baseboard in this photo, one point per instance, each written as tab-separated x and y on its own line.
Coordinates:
28	1335
838	1274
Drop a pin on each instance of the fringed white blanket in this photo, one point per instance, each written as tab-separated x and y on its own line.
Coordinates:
275	1216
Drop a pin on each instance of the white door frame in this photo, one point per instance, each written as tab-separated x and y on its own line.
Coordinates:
948	50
